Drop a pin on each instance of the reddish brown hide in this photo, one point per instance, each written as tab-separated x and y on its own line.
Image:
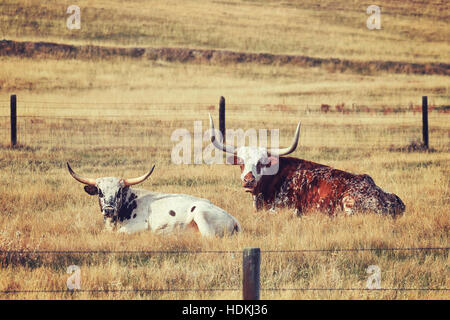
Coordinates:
305	185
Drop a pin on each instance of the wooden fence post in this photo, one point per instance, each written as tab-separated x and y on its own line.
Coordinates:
425	121
222	117
250	270
13	120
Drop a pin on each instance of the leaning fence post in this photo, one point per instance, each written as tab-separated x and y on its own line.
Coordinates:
13	120
425	121
222	117
250	269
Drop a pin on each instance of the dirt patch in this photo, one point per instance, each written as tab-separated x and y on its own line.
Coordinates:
64	51
414	146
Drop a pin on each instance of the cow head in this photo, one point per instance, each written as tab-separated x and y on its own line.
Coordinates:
255	162
109	190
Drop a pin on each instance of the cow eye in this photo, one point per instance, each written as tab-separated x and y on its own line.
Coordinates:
100	193
258	168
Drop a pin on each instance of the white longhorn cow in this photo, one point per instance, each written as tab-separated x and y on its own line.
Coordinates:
132	210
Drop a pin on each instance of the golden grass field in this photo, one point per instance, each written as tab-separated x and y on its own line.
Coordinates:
113	116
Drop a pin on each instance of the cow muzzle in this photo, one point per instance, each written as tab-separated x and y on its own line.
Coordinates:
109	211
249	182
249	185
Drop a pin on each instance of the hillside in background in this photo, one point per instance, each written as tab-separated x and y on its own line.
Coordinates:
413	31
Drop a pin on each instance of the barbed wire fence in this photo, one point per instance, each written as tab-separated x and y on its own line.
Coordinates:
250	271
87	120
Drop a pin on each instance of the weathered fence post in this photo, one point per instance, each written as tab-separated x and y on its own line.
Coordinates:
425	121
13	120
250	270
222	117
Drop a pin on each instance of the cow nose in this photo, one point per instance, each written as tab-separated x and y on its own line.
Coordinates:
249	181
108	211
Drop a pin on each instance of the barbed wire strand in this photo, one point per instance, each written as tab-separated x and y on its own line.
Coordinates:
209	103
212	251
115	252
315	109
355	289
104	118
214	289
115	290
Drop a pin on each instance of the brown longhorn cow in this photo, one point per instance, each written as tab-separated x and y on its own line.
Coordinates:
275	181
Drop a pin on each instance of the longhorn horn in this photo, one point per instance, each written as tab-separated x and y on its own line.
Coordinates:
132	181
216	143
87	181
286	151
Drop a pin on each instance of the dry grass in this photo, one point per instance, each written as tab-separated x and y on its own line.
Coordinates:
115	117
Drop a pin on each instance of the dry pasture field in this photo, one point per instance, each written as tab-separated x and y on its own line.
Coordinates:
114	116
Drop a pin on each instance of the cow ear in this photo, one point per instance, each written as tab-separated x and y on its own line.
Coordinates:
271	166
234	160
92	190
